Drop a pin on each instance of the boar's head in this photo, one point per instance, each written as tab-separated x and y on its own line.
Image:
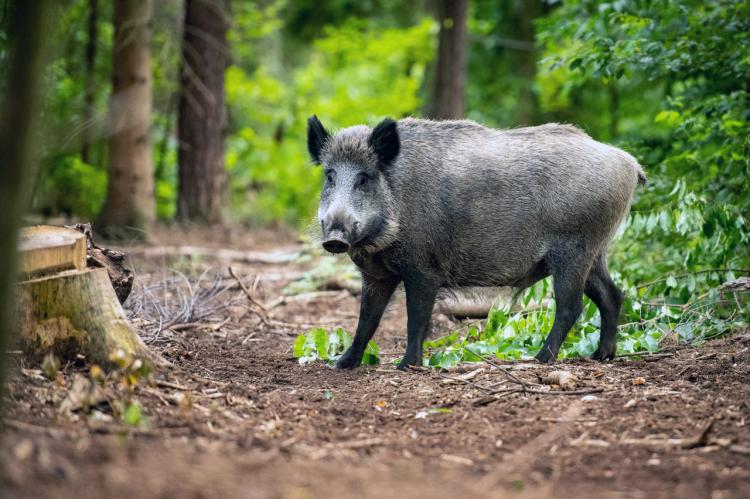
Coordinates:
357	208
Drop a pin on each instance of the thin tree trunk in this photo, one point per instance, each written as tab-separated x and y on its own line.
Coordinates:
448	100
129	208
88	111
26	29
202	112
527	104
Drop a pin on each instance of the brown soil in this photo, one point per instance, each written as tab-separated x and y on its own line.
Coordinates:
237	416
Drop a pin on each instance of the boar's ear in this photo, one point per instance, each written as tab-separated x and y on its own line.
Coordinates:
316	137
384	141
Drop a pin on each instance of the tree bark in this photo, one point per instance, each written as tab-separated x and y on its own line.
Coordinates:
25	46
202	113
129	207
77	313
527	101
449	91
88	105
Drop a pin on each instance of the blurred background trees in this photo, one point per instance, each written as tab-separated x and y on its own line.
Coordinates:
233	81
129	205
202	112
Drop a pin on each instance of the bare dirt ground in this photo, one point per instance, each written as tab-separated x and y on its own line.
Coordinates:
236	416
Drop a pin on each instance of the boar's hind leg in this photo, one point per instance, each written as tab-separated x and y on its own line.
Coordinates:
375	296
420	300
608	299
569	268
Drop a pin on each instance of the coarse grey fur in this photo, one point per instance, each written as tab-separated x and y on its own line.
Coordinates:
464	205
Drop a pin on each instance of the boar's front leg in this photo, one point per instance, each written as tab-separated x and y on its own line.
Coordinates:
375	296
420	299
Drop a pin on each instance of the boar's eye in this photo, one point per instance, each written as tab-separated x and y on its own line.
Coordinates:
362	180
329	176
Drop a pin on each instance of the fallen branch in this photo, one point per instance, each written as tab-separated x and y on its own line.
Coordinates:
740	449
697	440
502	369
497	395
169	384
223	254
647	354
451	379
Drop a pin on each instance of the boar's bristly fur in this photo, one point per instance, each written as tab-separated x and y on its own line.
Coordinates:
452	204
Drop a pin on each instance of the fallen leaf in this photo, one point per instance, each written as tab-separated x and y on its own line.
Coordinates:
455	379
82	395
639	381
456	459
564	379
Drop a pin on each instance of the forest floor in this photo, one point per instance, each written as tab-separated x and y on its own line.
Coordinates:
235	415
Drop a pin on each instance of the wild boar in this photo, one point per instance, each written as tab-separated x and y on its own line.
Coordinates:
451	204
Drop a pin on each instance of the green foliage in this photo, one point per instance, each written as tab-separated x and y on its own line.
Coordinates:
651	313
68	185
319	344
353	74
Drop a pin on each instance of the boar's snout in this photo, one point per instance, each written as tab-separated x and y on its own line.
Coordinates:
340	231
336	243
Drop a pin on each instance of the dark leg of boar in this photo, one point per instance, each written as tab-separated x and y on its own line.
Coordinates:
569	269
420	300
608	299
375	296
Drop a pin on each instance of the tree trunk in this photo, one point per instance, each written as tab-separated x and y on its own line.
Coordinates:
527	103
88	105
88	320
129	208
26	28
202	113
448	99
67	308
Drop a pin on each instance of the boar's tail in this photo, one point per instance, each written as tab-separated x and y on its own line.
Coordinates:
633	163
642	179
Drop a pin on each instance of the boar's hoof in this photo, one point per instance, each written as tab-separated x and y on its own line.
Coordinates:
408	361
603	353
348	361
545	356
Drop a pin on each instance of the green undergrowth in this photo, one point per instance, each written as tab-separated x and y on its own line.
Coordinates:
664	310
319	344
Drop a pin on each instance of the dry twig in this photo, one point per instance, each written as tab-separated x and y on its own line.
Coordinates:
262	313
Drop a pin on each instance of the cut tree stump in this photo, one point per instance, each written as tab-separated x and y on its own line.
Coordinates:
69	309
98	257
46	249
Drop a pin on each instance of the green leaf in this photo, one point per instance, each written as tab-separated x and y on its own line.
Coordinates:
132	416
371	356
299	346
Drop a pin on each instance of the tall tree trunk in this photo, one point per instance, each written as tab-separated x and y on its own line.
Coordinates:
527	11
202	113
448	101
88	111
129	208
26	29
